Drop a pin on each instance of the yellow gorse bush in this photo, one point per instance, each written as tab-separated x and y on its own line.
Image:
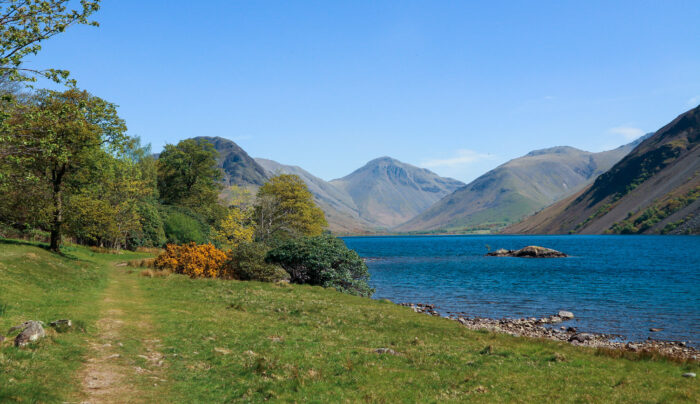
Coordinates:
196	261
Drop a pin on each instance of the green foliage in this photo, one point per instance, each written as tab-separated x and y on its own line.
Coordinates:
50	140
247	263
187	176
325	261
151	232
654	214
25	24
182	226
284	208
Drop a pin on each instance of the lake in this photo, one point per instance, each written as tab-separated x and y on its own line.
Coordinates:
613	284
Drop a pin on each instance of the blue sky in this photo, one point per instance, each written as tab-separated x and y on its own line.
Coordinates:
457	87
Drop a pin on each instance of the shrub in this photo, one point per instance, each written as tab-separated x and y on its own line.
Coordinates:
325	261
181	228
196	261
247	263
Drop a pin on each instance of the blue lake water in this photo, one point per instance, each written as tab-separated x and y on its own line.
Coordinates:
613	284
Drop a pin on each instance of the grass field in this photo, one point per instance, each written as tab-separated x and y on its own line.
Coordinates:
183	340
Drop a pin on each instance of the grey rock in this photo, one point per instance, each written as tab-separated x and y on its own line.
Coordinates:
387	351
566	315
689	374
581	337
61	325
31	331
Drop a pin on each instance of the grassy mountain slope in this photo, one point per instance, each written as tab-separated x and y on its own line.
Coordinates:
388	192
237	166
340	209
516	189
227	341
654	189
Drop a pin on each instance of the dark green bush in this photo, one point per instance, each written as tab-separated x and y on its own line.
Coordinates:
325	261
247	263
182	226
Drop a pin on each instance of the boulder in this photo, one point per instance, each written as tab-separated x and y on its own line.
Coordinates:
31	331
528	252
581	337
566	315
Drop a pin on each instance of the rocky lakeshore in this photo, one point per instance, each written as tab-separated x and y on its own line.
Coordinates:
549	328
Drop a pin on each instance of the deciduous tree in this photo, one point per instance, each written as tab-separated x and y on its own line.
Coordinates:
284	208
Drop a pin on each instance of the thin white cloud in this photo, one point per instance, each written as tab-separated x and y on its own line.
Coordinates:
628	132
694	101
463	157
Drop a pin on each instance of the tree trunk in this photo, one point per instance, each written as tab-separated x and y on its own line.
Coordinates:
57	179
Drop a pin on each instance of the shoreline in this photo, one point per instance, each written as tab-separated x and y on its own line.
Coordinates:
532	327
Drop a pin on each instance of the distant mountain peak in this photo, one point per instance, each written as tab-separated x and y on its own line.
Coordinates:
237	166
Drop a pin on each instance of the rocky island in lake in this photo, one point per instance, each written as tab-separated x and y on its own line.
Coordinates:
528	252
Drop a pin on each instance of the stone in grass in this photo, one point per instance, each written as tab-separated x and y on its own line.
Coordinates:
387	351
689	374
61	325
30	331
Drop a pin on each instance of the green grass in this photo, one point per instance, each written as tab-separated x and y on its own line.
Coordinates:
300	343
38	285
228	341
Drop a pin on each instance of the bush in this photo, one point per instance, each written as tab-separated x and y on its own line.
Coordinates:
196	261
181	228
325	261
247	263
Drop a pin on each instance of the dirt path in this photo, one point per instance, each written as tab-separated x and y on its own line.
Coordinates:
125	365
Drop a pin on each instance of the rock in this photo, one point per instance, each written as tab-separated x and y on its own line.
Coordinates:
581	337
31	331
656	329
689	374
2	339
556	319
222	351
528	252
387	351
566	315
61	325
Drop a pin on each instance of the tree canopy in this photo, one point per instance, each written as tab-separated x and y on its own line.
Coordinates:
47	141
24	24
285	208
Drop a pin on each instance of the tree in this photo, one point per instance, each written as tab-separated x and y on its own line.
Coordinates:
188	175
235	228
284	208
47	141
325	261
24	24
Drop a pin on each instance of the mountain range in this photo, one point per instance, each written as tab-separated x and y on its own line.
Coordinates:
570	189
516	189
654	189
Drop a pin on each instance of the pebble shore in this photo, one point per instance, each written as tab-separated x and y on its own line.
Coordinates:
549	328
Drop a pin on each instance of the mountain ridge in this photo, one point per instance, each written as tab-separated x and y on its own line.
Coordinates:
654	189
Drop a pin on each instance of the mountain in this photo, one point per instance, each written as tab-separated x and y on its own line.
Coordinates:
654	189
516	189
388	192
237	166
341	213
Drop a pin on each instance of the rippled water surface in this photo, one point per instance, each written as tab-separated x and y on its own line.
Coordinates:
613	284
